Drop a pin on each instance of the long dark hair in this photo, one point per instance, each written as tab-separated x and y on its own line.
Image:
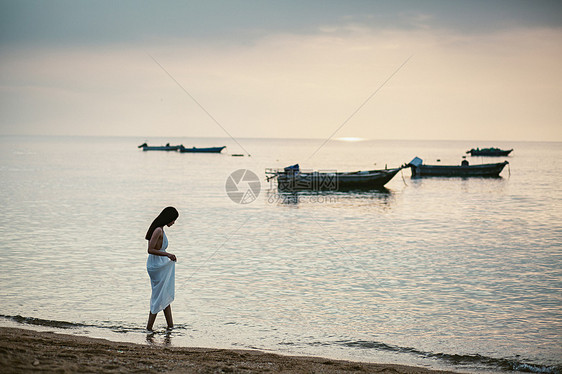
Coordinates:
169	214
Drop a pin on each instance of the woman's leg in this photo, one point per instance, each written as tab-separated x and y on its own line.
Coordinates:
168	315
151	319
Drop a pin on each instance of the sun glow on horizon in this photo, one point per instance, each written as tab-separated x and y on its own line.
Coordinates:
351	139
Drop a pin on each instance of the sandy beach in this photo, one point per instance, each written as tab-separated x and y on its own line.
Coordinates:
23	351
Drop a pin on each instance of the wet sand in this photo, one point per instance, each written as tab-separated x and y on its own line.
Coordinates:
23	351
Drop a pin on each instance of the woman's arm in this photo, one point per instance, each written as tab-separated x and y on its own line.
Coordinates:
153	245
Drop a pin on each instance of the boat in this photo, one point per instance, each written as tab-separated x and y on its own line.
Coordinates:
201	150
167	147
292	178
419	169
489	152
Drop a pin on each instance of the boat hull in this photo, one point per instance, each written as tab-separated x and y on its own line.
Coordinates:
202	150
483	170
316	181
161	148
489	152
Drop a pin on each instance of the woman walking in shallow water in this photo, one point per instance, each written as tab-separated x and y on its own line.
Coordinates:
161	267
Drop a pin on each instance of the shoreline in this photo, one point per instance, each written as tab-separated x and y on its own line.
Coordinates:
23	350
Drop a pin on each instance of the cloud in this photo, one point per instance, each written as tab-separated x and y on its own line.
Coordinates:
292	85
71	22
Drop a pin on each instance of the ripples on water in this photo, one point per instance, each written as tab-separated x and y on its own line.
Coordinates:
461	273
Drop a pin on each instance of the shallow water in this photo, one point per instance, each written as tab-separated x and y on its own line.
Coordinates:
461	274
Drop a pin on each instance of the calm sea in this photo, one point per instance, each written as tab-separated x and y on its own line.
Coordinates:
461	274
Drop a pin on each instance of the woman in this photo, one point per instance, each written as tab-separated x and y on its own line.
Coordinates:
161	267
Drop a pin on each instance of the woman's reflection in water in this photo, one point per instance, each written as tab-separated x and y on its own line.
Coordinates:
166	341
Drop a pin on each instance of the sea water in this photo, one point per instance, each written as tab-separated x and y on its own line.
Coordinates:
450	273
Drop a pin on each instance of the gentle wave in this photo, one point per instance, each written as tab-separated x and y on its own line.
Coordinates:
76	325
458	360
454	359
45	322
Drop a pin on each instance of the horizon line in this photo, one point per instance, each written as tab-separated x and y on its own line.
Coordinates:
342	139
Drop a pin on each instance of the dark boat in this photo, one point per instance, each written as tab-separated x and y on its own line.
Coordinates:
167	147
463	170
293	179
202	150
494	152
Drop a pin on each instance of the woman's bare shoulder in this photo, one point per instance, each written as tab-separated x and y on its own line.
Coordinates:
157	232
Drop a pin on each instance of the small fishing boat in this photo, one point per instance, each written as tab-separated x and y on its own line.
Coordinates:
167	147
201	150
463	170
494	152
292	178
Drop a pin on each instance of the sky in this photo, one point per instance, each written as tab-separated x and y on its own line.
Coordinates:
425	69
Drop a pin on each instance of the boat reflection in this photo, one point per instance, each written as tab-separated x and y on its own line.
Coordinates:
381	198
493	185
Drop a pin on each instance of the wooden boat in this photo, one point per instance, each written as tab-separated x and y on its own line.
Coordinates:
494	152
167	147
201	150
463	170
293	179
